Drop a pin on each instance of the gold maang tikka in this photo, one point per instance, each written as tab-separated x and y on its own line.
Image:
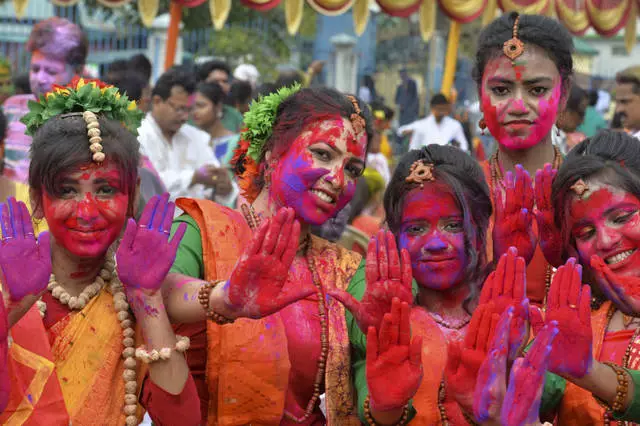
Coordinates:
420	172
580	187
514	47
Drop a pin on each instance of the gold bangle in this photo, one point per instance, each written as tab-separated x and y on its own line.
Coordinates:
622	389
371	422
203	297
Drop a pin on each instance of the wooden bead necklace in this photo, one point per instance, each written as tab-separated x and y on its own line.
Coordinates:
442	394
254	222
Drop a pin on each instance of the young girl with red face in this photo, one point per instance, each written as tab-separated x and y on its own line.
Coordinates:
523	71
91	341
297	164
596	199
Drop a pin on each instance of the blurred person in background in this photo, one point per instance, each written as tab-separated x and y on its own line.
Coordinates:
567	135
21	84
247	73
593	120
220	72
6	84
240	95
367	91
407	99
628	99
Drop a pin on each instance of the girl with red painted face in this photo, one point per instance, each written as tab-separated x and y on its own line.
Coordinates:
523	71
438	208
76	318
297	165
597	203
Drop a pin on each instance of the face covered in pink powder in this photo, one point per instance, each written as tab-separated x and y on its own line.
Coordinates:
317	175
45	71
520	100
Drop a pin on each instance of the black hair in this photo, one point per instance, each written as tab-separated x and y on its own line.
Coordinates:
211	91
21	83
177	76
266	89
241	92
3	126
439	99
611	156
61	145
464	176
118	66
288	79
546	33
141	64
628	76
208	67
130	82
593	97
575	101
367	81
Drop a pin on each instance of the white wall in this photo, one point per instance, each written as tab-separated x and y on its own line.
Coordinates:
612	56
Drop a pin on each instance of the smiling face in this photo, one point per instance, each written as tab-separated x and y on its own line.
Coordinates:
205	112
432	231
46	71
606	222
317	175
88	214
520	101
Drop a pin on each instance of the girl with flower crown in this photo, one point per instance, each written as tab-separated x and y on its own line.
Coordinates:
90	340
275	341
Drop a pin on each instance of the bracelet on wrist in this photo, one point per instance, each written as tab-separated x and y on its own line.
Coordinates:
204	295
371	422
182	344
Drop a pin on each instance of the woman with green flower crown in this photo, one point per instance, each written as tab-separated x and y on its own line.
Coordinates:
275	341
89	340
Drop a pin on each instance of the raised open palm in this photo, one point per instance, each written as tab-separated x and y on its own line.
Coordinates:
548	233
25	261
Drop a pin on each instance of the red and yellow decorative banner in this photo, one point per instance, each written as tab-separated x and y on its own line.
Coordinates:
148	10
330	7
399	8
65	3
608	17
463	11
428	12
189	3
219	10
293	10
360	16
20	7
489	13
531	7
262	5
113	3
630	32
573	14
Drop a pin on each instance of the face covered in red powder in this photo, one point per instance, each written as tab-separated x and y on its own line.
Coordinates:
88	214
520	100
606	222
432	231
317	175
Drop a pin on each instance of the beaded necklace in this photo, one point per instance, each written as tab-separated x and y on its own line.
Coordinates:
497	177
441	321
254	222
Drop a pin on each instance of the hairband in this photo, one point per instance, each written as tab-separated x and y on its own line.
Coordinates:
580	187
421	172
357	121
514	47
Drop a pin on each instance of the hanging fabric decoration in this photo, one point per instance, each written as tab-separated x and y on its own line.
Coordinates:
489	13
330	7
608	17
113	3
573	15
293	14
428	14
219	10
261	5
463	11
531	7
360	16
20	7
630	30
399	8
64	3
148	10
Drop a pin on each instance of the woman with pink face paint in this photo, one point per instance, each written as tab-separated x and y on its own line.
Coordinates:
524	70
595	356
274	339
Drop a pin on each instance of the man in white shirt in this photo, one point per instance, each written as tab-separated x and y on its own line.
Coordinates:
628	99
180	152
437	128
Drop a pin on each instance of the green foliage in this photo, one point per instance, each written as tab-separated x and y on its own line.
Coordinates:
261	117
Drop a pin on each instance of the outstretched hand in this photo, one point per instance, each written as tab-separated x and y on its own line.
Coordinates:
569	307
623	291
145	254
257	284
521	405
514	215
387	275
25	261
549	235
394	365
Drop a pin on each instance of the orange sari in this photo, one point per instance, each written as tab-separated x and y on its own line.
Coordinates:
71	372
247	361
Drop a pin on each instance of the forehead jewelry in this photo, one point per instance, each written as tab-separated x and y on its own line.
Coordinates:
421	172
513	47
357	121
580	187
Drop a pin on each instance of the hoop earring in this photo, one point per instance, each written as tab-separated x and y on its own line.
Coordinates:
483	125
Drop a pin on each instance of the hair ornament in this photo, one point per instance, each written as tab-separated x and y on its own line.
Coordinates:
514	47
421	172
357	121
580	187
93	132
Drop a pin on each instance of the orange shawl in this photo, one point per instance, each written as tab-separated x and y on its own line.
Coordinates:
72	372
247	362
